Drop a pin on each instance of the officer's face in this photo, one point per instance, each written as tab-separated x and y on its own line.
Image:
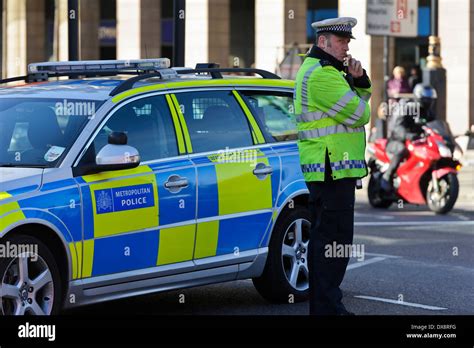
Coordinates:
336	46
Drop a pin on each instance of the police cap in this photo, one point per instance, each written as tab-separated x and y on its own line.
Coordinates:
338	26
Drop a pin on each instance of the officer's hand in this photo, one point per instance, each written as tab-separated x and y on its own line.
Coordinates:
355	68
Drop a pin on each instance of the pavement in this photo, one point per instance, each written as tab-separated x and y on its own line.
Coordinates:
466	177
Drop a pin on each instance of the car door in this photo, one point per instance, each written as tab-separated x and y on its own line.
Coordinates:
237	175
143	217
274	112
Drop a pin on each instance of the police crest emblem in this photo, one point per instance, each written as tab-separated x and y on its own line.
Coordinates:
104	202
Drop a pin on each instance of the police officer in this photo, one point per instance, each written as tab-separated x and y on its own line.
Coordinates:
331	103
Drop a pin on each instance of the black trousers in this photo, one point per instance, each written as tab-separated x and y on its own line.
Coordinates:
332	207
397	151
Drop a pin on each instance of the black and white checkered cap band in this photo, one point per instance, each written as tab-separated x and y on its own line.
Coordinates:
347	28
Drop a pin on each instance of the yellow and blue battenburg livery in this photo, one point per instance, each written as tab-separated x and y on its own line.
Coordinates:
168	184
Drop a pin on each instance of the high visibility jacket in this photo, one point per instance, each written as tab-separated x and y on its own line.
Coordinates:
330	116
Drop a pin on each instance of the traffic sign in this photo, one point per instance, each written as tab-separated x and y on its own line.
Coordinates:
392	18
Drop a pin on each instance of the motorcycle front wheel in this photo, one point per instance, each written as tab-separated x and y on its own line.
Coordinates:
443	201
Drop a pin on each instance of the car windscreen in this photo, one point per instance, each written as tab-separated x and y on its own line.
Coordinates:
442	128
38	132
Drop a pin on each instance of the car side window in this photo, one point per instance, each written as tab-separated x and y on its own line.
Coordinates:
215	120
148	125
275	111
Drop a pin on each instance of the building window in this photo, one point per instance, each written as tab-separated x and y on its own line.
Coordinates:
319	10
167	29
242	33
108	29
424	18
49	11
411	52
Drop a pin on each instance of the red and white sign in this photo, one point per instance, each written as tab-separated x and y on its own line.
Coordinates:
392	18
395	27
402	9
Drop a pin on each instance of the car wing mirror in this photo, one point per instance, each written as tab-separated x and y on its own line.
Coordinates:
116	155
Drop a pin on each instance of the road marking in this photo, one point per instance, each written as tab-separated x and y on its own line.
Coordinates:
460	216
414	223
401	303
384	255
365	263
380	217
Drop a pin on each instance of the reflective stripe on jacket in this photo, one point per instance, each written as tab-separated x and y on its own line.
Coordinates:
330	116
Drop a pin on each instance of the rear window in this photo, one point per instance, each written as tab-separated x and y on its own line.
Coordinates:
275	112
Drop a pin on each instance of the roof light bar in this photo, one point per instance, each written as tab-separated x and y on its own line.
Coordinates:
99	65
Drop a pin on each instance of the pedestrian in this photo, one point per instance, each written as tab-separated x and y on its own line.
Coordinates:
415	77
398	83
331	104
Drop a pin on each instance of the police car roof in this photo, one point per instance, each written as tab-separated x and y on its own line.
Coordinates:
99	89
92	89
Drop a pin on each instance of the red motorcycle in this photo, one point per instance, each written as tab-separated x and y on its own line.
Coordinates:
427	176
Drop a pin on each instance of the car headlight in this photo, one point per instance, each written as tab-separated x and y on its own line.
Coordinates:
444	151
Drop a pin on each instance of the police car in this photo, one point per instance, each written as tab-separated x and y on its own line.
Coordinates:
123	178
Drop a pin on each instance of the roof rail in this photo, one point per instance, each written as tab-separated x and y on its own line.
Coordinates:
144	68
38	72
215	75
128	84
216	72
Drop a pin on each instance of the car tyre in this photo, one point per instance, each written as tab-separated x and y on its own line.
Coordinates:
30	281
285	278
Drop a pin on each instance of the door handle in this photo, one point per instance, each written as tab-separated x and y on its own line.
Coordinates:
175	183
262	170
178	183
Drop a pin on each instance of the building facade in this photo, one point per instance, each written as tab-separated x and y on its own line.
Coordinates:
244	33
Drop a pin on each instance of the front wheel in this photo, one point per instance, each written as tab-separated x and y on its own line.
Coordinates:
286	277
443	201
30	282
